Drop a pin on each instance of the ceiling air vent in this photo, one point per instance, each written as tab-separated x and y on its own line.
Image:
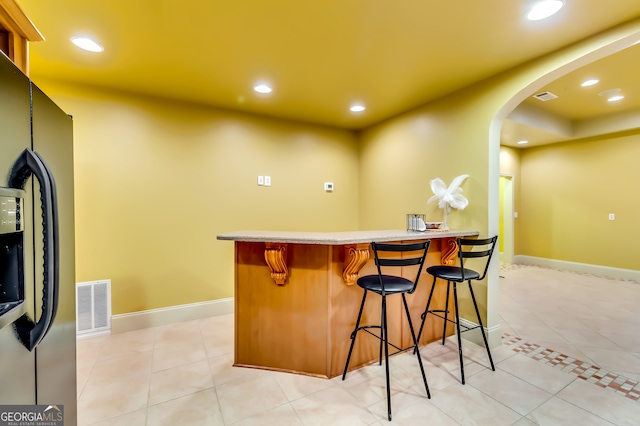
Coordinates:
545	96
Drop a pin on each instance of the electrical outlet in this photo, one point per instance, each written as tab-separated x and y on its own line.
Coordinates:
612	216
267	181
260	180
328	186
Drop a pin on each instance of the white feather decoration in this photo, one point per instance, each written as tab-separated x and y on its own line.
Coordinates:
448	197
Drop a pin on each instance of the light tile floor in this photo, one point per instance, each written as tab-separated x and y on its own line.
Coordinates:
568	339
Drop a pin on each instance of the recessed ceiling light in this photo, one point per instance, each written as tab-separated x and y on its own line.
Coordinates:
544	9
615	98
87	44
523	142
262	88
610	92
357	108
590	82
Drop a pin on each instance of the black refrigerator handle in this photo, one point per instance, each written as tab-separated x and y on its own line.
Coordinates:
30	162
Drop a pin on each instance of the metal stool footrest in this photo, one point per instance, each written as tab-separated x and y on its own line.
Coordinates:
466	327
398	350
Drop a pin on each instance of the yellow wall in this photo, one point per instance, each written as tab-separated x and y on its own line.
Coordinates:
568	191
401	156
156	181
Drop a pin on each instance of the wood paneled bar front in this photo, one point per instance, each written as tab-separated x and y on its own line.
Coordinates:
296	300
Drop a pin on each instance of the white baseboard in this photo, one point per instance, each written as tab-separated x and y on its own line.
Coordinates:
93	334
584	268
494	334
173	314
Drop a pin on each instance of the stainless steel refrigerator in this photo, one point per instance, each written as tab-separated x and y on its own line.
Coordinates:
37	269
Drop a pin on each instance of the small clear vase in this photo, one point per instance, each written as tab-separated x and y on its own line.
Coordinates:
444	218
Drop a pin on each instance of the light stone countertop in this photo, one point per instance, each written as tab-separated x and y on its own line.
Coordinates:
339	238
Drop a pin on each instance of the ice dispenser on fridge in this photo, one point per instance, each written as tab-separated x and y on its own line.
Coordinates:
12	304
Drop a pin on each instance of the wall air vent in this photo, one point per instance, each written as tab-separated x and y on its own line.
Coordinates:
93	308
545	96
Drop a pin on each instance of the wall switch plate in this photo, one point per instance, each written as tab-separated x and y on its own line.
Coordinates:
260	180
328	186
612	216
267	181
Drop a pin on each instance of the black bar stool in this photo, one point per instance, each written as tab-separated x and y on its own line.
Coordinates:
386	285
453	275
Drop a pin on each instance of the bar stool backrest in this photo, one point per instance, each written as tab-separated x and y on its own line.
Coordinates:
382	259
486	251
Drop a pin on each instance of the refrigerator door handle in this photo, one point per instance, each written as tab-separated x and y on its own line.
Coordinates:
28	163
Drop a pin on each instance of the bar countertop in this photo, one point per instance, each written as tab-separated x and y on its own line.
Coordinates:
340	238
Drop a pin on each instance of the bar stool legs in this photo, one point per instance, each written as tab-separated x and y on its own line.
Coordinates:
386	354
445	313
415	343
384	343
353	337
484	336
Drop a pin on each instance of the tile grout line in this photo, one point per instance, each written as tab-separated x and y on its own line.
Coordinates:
591	373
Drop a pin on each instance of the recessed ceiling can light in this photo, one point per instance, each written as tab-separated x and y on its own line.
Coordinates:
357	108
610	92
87	44
615	98
523	142
590	82
543	9
262	88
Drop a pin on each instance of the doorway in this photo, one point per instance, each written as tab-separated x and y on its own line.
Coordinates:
505	230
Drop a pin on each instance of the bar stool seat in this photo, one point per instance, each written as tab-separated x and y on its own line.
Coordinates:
452	273
392	284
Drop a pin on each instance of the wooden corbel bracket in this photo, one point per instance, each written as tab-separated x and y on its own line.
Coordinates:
355	257
275	254
449	251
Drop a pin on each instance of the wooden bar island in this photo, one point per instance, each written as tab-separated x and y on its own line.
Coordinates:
296	300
